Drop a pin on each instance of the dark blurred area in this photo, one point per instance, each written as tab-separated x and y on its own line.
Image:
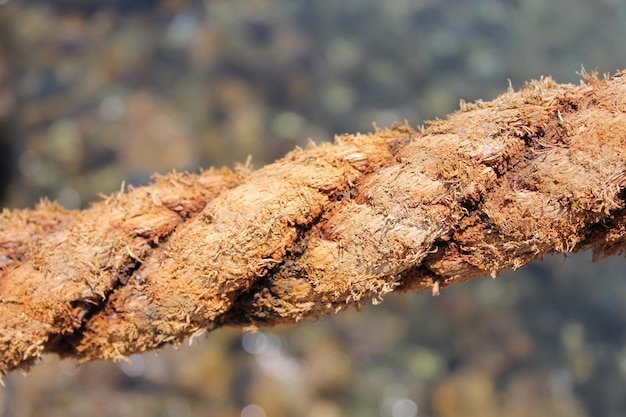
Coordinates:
96	92
7	111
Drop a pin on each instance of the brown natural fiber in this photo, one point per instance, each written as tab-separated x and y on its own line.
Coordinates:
494	186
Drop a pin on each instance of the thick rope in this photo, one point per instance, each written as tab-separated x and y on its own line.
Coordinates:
494	186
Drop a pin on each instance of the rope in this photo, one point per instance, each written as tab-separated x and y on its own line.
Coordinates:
494	186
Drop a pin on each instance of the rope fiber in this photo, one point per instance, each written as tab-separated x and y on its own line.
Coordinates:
494	186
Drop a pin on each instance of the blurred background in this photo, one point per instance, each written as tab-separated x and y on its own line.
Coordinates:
96	92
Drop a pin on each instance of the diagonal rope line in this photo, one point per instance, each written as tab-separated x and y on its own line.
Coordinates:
494	186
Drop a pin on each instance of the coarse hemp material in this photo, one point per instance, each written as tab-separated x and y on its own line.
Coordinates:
494	186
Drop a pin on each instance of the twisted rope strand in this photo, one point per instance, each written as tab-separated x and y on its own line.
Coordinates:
494	186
